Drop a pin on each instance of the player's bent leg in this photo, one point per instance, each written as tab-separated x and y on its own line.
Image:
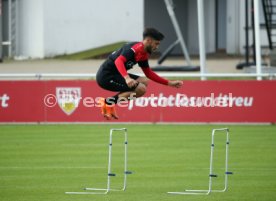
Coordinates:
117	83
140	90
126	96
143	80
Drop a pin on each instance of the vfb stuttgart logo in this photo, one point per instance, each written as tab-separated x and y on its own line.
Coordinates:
68	98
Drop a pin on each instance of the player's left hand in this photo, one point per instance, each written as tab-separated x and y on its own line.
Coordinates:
175	83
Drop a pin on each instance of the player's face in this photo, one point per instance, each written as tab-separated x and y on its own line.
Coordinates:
155	44
152	45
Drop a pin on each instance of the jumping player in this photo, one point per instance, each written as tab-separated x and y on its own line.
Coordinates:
113	75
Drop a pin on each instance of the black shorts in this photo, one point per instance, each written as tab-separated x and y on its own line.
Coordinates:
112	80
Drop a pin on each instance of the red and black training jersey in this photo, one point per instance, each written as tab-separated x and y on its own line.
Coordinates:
134	53
127	56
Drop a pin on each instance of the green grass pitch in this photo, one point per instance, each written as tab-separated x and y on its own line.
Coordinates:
42	162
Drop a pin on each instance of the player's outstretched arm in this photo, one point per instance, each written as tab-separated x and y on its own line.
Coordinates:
153	76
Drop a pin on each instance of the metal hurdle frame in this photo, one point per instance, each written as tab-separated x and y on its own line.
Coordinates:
109	173
211	173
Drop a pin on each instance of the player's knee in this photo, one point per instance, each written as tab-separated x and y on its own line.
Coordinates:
140	90
144	81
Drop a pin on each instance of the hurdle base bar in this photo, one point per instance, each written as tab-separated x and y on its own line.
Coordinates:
202	192
97	191
88	193
103	189
192	192
197	192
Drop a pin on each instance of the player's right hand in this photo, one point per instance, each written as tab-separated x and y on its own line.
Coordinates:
175	83
131	82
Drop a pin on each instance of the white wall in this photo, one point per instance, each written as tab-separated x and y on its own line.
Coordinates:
52	27
31	29
72	26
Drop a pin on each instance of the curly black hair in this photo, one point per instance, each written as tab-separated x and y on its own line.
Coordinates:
153	33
